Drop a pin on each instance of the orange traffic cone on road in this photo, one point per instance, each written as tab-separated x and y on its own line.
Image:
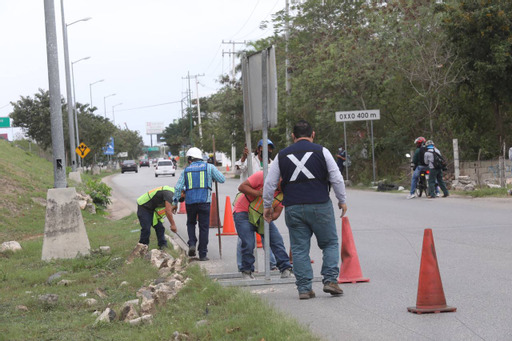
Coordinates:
430	288
213	212
183	209
227	168
229	225
350	270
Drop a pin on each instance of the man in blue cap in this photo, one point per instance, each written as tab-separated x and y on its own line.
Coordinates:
257	160
436	171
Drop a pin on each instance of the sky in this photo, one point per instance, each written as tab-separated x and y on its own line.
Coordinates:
143	51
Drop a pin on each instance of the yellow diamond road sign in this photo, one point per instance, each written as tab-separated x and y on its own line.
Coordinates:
82	150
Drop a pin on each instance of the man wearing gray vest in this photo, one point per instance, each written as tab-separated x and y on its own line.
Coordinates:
306	170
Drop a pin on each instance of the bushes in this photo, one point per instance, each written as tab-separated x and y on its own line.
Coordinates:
99	192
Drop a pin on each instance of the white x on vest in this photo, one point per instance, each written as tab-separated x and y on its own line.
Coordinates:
301	166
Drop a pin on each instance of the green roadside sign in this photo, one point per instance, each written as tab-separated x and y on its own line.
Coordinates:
5	122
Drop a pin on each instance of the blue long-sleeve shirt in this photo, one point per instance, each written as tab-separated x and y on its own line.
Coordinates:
212	173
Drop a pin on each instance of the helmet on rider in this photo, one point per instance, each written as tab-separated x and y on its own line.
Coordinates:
429	143
194	153
419	141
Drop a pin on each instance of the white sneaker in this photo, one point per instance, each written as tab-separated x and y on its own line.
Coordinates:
411	196
438	195
287	273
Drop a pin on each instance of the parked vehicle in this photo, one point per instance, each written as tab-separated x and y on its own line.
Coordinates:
422	185
165	167
144	163
129	166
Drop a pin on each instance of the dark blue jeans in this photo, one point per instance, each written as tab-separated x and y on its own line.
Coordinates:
198	212
146	221
246	231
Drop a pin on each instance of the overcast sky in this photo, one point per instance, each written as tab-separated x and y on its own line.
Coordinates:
142	49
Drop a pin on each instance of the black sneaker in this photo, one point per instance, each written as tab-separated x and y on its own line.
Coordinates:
204	259
192	251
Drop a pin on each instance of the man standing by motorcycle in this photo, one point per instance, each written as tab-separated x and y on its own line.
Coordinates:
418	164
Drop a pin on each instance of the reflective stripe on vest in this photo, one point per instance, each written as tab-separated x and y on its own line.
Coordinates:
256	211
158	215
144	198
196	183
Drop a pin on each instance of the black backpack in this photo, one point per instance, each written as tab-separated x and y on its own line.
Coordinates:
421	156
439	161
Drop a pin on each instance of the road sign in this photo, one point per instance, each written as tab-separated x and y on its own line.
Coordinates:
153	149
109	148
360	115
82	150
5	122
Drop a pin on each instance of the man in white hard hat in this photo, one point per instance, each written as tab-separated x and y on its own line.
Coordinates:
196	180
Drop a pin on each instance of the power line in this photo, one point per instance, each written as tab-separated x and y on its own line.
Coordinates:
150	106
258	27
246	21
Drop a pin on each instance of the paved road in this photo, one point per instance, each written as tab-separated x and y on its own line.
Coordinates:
473	244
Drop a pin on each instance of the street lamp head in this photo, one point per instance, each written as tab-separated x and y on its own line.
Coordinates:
79	60
74	22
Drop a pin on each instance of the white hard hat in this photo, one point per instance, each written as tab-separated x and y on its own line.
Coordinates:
194	153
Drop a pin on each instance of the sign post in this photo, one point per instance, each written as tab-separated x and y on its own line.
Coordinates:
82	150
359	115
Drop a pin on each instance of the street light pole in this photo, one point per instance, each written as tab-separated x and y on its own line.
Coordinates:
90	89
105	104
71	123
74	97
113	115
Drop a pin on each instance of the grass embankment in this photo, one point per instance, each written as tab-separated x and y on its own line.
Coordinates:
231	313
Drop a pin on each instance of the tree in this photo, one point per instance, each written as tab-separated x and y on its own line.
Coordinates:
33	115
481	33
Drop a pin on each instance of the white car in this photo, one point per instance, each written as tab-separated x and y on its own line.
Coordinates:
164	167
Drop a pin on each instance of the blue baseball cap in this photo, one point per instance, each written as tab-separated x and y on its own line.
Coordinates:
260	143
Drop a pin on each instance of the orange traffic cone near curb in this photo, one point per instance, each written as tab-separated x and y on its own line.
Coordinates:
430	289
213	212
183	209
350	270
229	225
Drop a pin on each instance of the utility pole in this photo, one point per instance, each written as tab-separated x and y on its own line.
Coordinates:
233	74
232	53
287	72
188	109
57	130
198	105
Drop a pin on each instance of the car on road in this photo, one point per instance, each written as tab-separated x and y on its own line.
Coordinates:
129	166
144	163
165	167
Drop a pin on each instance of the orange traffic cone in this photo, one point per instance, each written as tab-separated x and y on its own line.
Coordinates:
229	225
430	289
227	168
213	212
183	209
259	244
350	270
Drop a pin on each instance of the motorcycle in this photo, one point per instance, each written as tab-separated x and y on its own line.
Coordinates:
422	185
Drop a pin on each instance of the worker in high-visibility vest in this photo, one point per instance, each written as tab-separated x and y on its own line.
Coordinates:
196	180
152	207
